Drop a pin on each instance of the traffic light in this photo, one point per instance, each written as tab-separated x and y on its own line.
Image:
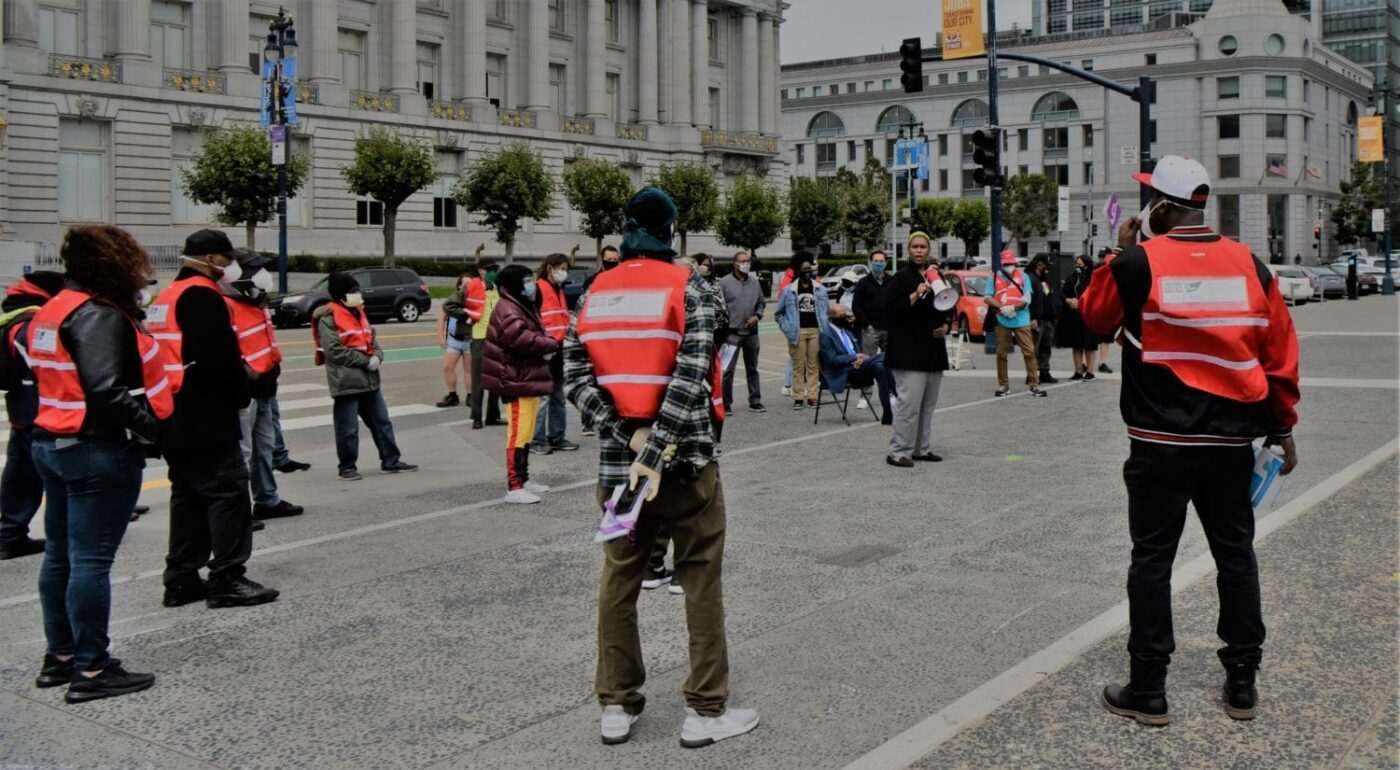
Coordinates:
987	155
911	63
1094	230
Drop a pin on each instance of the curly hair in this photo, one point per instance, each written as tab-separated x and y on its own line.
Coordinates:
108	262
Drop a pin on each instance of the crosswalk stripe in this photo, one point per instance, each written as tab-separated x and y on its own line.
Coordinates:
322	420
305	403
306	387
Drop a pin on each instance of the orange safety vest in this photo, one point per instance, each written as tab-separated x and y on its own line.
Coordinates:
165	327
354	329
1205	317
62	403
256	340
631	324
1004	290
475	297
554	313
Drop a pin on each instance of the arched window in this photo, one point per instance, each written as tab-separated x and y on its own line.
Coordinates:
1055	105
825	124
892	118
972	112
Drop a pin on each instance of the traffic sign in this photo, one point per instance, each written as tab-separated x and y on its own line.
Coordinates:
1063	224
1377	220
1128	155
279	145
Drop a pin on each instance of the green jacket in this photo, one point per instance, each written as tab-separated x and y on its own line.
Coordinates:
347	369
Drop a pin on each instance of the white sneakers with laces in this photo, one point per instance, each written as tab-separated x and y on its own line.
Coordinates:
522	497
536	487
698	731
617	725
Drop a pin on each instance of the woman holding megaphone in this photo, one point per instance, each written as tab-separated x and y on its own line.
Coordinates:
916	353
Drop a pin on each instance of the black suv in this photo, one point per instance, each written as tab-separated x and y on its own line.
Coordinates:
389	292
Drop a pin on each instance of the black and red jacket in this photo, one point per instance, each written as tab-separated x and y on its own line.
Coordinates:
1156	405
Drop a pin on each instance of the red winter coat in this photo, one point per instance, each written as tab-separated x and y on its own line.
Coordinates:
516	346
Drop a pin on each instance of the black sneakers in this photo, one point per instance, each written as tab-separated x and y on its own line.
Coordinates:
1146	708
398	466
1046	378
1036	392
928	457
54	672
447	401
187	592
292	466
1240	695
899	462
239	592
112	681
656	578
350	474
563	445
26	547
281	510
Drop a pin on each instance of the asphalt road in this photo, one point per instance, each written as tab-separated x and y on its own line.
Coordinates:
875	615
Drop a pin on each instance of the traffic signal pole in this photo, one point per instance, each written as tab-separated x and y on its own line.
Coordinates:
995	125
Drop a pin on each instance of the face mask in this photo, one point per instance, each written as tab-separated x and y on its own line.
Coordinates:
878	268
354	299
232	272
143	298
1145	218
559	276
491	277
528	290
704	270
262	280
609	264
808	274
742	267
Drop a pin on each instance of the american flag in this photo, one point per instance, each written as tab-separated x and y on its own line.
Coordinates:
1277	167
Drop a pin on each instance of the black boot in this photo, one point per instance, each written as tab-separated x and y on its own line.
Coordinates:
1240	695
1143	698
238	592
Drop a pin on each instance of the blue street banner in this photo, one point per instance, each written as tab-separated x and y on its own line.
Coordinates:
901	154
289	81
269	71
921	159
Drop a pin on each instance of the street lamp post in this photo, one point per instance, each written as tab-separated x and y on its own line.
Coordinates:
281	54
1383	97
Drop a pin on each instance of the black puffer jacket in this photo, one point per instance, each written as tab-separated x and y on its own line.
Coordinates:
102	342
911	345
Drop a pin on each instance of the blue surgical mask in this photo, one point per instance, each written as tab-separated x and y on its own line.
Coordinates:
877	267
528	290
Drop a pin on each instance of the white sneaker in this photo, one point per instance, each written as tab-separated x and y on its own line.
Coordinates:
536	487
522	497
617	725
676	588
787	390
861	404
698	731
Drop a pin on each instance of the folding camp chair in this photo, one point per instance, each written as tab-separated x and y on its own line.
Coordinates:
843	401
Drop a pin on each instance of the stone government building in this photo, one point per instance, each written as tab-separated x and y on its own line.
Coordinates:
1248	91
102	102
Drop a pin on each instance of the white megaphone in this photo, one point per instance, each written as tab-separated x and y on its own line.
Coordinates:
944	296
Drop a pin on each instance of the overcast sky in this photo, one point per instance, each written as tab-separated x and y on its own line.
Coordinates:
826	29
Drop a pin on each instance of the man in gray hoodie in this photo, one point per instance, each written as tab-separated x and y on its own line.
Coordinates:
744	298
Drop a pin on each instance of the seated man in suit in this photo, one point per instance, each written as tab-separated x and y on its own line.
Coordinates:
844	364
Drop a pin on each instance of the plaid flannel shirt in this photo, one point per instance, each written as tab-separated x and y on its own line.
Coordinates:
684	420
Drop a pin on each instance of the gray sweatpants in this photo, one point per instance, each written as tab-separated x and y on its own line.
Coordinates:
913	414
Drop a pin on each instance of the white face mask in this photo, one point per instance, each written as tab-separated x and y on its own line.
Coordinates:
232	272
354	299
685	262
559	277
704	270
1144	217
742	267
143	298
263	280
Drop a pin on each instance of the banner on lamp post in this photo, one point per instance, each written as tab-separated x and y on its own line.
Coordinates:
1062	223
962	29
1369	145
1377	220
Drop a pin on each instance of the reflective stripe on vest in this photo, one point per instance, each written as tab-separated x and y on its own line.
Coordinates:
631	325
256	340
353	328
554	314
165	327
1004	289
1205	317
62	403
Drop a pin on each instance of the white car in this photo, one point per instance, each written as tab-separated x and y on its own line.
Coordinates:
1293	284
834	276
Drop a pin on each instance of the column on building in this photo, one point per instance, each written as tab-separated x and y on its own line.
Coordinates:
766	91
537	64
133	25
233	40
473	51
748	72
597	47
646	56
680	63
403	69
324	39
22	22
700	63
777	76
665	51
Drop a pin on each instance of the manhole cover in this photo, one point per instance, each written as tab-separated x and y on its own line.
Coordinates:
859	556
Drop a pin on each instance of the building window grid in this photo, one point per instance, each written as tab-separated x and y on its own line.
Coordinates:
1275	126
351	47
185	146
429	69
614	23
1275	86
559	88
1227	88
170	35
60	30
82	170
557	17
1227	126
1229	167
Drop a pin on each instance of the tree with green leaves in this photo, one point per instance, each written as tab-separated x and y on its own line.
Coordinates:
693	189
389	168
506	188
935	216
875	174
814	212
1351	217
1030	206
972	222
235	173
597	189
752	216
867	215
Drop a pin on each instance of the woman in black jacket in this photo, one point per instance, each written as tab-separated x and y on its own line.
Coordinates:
90	451
1071	332
916	354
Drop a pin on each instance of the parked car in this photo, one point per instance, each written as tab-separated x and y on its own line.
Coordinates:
1377	263
1293	284
395	292
1326	283
1347	254
833	277
971	310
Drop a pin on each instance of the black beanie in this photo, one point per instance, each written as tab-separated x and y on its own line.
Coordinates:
511	280
646	231
341	284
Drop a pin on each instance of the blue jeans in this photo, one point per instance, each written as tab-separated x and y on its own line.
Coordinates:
259	435
280	455
21	489
371	408
552	419
91	487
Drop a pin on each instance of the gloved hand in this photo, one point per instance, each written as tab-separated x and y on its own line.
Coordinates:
638	471
373	365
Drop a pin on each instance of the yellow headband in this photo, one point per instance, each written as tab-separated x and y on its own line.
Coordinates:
919	234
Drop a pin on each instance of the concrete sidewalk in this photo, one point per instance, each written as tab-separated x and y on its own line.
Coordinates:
1327	685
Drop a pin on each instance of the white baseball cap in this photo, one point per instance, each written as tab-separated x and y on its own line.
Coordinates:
1182	179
